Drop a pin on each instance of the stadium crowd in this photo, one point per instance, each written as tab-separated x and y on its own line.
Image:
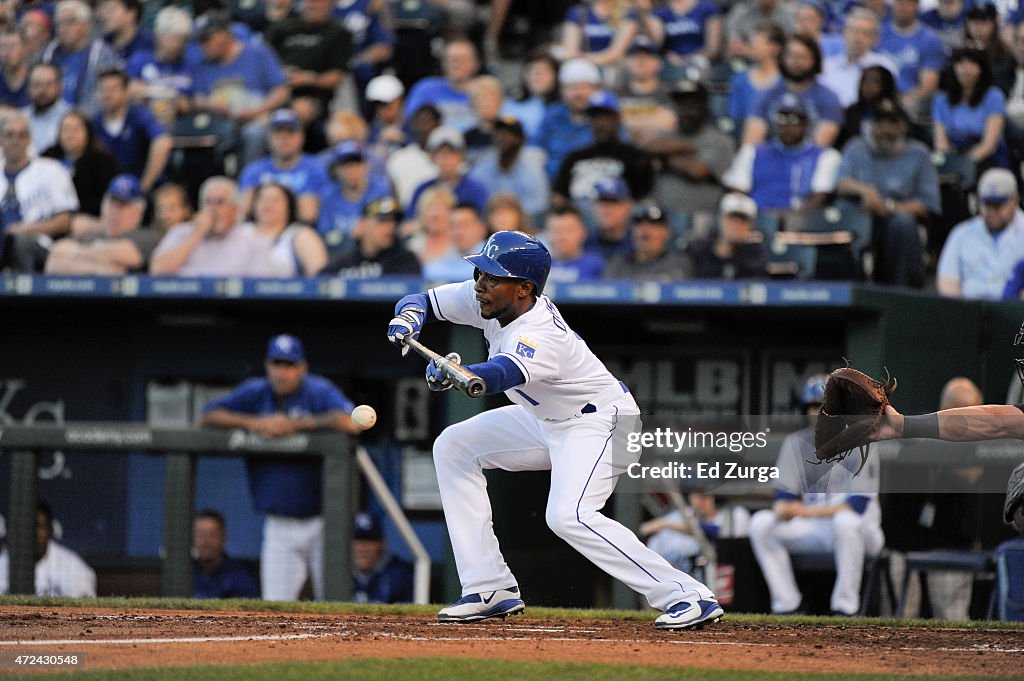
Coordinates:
641	139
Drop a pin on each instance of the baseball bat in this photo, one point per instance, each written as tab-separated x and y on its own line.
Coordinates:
462	378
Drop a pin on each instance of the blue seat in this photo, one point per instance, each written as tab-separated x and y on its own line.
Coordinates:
1008	598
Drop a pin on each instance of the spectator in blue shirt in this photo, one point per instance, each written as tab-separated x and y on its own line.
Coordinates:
565	235
121	28
448	93
446	147
288	400
302	173
512	168
689	31
378	576
346	199
140	144
599	30
538	91
162	76
215	574
13	70
373	39
566	127
747	86
919	56
947	19
79	56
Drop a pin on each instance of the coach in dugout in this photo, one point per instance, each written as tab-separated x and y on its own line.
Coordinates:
288	400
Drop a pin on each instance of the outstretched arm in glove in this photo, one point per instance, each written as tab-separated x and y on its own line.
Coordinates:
963	424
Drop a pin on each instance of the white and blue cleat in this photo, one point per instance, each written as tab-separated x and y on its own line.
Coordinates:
482	606
690	615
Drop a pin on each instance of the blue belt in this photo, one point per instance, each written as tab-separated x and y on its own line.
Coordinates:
589	408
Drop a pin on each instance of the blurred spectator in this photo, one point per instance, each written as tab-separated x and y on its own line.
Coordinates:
671	536
171	206
538	90
877	83
13	69
59	570
565	126
46	107
37	199
213	244
346	198
377	250
447	153
286	401
80	57
1015	102
841	72
690	33
92	167
982	32
121	30
692	160
746	15
919	56
36	27
652	258
838	512
410	166
735	251
613	208
215	574
242	81
468	235
749	85
645	102
347	126
138	141
512	168
260	15
315	50
800	66
448	93
505	213
565	236
948	19
980	254
114	246
301	173
162	77
969	113
430	231
599	30
372	37
378	576
296	249
896	182
607	155
789	172
486	97
810	20
384	96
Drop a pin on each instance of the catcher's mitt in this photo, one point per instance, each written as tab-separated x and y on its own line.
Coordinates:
853	410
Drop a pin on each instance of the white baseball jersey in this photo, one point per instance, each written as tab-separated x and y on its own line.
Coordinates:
61	572
562	374
44	189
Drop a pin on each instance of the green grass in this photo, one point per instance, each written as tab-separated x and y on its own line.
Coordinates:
451	669
339	608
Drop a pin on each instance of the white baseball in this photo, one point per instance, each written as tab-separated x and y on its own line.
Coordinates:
364	416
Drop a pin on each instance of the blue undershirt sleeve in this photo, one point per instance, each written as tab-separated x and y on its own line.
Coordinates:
500	374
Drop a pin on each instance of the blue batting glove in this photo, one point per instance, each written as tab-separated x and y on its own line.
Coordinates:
436	380
407	324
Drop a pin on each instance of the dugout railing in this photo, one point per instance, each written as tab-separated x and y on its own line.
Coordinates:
180	447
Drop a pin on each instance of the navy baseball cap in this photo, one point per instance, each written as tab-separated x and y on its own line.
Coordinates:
611	189
366	526
125	188
642	44
209	23
512	124
349	150
285	118
650	213
383	209
602	100
285	348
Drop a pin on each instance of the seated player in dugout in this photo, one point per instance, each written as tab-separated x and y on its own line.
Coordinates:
569	415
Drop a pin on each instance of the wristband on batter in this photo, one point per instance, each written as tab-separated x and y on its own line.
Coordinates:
925	425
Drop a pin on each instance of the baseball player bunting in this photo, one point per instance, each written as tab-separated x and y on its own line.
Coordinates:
569	416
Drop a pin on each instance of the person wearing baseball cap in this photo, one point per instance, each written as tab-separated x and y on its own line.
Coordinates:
980	254
384	96
511	167
653	257
286	400
379	576
447	149
116	244
565	125
353	188
736	251
645	102
576	176
613	209
376	251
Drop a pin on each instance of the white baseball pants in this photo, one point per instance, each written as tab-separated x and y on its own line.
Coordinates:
293	549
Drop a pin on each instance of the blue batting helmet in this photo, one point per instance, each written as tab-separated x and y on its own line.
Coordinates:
516	255
814	390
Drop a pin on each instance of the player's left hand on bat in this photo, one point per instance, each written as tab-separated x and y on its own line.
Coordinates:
436	379
406	324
